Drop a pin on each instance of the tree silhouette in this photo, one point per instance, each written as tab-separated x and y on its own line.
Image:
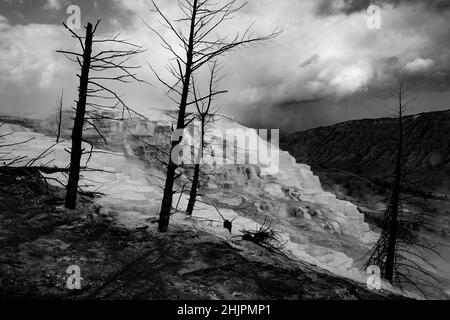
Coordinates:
200	45
98	70
398	253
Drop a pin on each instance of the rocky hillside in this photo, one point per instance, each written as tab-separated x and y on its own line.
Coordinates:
365	147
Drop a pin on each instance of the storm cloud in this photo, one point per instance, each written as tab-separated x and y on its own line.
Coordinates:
326	66
328	7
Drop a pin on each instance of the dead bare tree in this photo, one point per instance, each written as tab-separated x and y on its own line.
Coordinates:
205	114
200	43
397	252
97	71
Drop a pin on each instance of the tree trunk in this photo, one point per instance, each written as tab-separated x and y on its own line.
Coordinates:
58	133
391	248
166	206
393	221
195	181
194	188
77	131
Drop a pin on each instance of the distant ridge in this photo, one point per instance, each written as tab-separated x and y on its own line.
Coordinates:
365	147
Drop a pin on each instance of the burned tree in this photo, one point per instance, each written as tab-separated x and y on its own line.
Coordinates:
97	70
204	115
398	253
196	31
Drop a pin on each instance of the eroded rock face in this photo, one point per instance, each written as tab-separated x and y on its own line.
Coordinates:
364	147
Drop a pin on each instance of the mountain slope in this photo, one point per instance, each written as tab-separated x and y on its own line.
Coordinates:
365	147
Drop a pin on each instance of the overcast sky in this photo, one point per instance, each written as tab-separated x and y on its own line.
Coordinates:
326	67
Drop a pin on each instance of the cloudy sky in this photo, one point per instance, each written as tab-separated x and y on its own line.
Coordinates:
327	66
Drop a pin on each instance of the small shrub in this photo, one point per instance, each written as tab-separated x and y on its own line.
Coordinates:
265	236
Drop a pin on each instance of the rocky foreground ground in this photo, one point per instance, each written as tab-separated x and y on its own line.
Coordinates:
39	240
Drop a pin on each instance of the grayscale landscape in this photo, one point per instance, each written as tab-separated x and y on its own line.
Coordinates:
220	150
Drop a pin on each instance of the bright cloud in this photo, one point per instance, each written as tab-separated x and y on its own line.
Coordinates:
419	65
55	4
